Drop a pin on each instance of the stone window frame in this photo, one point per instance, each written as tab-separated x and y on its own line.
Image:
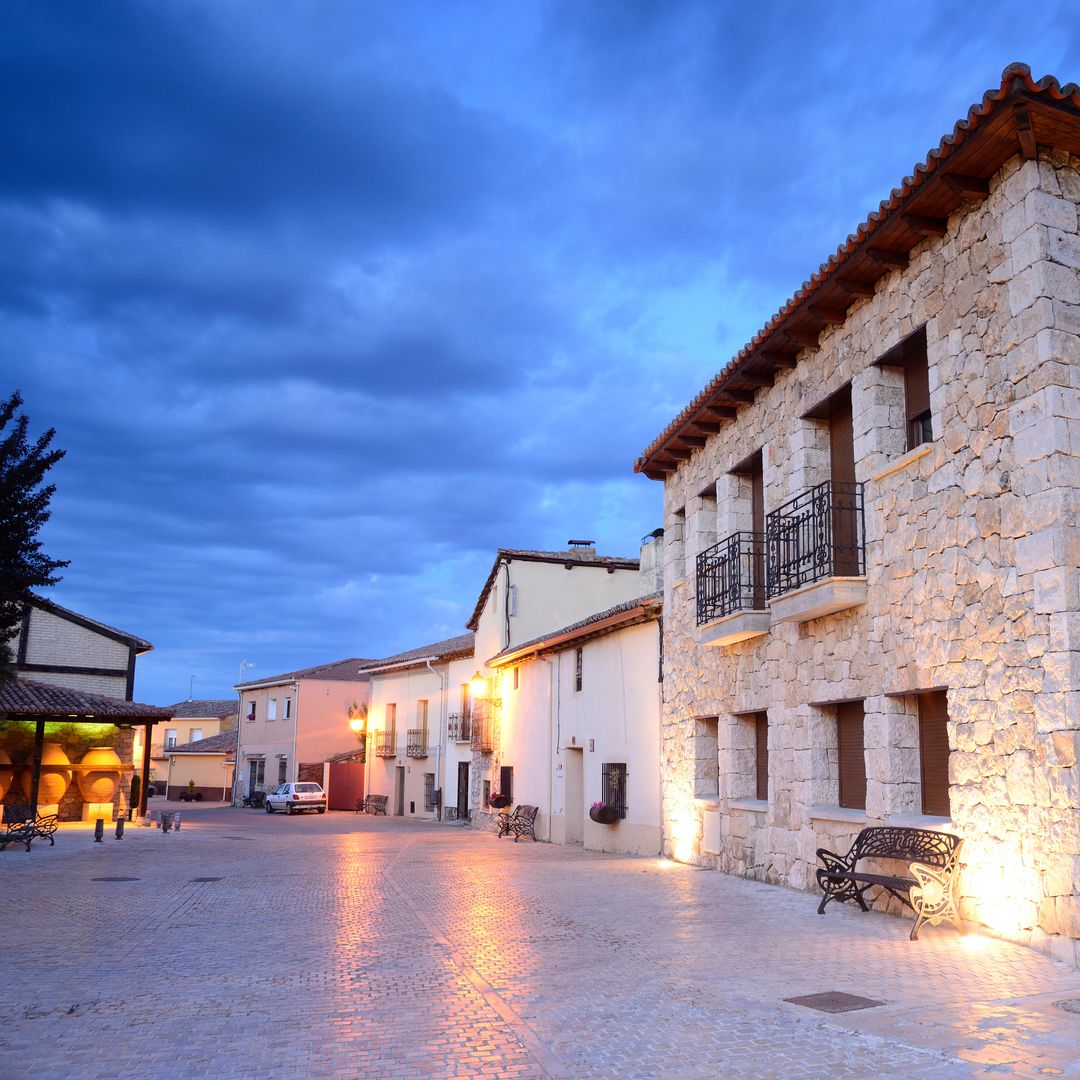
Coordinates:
707	757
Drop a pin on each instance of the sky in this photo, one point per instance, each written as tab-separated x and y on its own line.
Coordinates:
328	301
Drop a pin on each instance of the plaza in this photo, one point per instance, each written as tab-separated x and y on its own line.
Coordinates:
343	945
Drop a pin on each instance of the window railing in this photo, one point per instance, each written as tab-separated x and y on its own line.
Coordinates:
459	727
416	742
613	786
484	727
386	744
818	534
731	577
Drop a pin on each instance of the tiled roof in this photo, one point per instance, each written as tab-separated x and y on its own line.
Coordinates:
573	557
28	697
203	710
339	671
1013	119
641	609
451	649
137	643
225	743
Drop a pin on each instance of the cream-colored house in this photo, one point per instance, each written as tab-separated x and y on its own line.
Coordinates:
872	587
408	737
291	725
209	762
189	721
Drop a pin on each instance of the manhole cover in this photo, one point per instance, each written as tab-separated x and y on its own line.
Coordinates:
1069	1005
194	879
238	838
833	1001
116	879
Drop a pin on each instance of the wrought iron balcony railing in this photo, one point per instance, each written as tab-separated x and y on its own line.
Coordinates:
386	744
459	727
416	742
818	534
483	734
731	577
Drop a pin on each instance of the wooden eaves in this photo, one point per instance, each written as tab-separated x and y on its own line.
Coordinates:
1017	118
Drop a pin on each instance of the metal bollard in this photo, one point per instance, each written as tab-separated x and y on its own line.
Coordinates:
165	823
120	829
176	821
99	830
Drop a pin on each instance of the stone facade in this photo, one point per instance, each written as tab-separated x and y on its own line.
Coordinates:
972	580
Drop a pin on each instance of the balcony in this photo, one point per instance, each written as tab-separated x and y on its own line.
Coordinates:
459	727
731	590
160	750
815	553
484	727
386	744
416	743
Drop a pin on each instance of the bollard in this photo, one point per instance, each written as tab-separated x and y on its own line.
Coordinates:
176	821
99	830
119	828
165	822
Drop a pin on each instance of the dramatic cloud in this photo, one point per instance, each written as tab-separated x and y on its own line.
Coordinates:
327	301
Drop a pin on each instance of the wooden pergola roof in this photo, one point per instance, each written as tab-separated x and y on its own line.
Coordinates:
1017	118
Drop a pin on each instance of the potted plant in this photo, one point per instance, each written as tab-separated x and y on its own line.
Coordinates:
499	801
604	813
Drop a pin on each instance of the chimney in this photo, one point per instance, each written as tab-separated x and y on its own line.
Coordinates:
584	547
651	574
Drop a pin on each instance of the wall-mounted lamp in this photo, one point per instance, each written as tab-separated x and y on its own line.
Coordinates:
478	690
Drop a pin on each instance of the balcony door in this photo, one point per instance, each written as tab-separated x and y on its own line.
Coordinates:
757	519
463	790
844	507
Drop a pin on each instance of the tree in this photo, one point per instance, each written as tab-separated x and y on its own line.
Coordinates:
24	508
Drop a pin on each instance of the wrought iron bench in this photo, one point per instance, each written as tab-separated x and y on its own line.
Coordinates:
21	826
16	832
375	804
520	823
932	858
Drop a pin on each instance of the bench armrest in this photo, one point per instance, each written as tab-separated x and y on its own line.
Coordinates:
834	862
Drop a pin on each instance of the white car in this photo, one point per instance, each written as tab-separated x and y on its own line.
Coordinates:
290	797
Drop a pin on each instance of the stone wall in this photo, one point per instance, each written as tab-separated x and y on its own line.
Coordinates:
972	574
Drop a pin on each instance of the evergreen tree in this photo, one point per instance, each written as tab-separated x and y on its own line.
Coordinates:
24	508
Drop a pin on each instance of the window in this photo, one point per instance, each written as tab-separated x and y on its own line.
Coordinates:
487	793
256	774
517	674
271	709
170	737
613	776
250	711
506	781
421	714
761	755
429	791
934	753
195	735
286	708
851	754
578	664
910	355
706	758
282	769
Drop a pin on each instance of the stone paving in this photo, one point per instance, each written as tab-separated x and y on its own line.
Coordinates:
352	946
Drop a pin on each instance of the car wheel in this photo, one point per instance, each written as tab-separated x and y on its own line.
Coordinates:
322	809
269	808
288	809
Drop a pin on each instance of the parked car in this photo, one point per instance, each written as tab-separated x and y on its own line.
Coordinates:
291	797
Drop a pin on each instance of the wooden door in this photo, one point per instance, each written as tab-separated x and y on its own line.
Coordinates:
843	512
851	754
463	790
757	520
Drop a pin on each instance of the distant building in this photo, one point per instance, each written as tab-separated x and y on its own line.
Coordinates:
189	721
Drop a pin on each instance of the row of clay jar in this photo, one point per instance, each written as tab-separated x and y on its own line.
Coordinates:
97	783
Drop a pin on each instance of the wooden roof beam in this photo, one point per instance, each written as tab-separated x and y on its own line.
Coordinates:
677	453
1024	131
755	378
971	187
743	397
696	441
720	412
706	426
854	287
778	360
829	315
928	226
887	257
807	339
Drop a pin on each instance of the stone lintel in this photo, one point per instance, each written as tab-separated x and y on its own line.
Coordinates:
739	626
821	598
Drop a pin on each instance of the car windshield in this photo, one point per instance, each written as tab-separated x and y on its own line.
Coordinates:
308	787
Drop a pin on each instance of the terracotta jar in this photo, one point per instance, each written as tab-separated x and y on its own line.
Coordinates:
99	784
7	773
55	776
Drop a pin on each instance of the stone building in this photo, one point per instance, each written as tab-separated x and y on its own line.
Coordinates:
872	593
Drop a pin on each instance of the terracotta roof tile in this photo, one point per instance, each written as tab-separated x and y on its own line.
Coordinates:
203	710
451	649
339	671
225	743
28	697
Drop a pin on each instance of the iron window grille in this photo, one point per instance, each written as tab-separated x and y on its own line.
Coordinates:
416	743
459	727
430	802
731	577
613	787
818	534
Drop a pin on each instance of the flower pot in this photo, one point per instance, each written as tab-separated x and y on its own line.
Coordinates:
99	784
604	815
55	777
499	801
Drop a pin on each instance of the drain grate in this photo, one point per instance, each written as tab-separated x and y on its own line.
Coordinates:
1069	1005
116	879
834	1001
191	881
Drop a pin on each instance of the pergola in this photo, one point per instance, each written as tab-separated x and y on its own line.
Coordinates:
40	703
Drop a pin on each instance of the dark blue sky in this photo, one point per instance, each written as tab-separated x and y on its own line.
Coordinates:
327	301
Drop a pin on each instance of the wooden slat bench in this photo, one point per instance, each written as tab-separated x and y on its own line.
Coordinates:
933	861
520	823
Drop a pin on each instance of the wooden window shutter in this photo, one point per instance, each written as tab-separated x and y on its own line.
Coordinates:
842	444
917	385
761	724
934	752
852	754
506	781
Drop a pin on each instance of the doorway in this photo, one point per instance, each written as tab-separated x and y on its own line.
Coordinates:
575	795
399	791
463	791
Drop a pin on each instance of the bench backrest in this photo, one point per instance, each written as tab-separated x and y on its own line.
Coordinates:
526	813
914	845
17	812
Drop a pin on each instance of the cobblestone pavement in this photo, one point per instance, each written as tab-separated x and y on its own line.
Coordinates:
347	946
